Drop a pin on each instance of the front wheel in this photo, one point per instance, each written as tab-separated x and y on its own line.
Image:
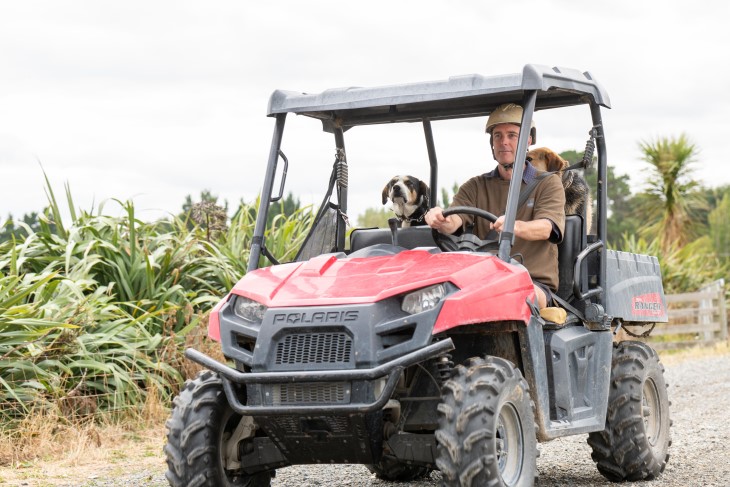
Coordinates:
486	432
633	445
198	430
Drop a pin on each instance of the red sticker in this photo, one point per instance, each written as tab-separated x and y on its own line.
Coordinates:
647	305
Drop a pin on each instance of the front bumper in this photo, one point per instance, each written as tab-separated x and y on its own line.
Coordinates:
392	369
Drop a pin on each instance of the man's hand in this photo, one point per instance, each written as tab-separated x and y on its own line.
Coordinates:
532	230
435	219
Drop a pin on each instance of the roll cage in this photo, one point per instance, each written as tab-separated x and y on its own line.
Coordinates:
537	87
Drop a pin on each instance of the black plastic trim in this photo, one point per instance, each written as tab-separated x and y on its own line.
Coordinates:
392	369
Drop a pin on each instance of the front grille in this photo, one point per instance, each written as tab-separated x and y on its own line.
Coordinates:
296	424
314	348
309	393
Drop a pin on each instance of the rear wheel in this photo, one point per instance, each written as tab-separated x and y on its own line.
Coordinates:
198	430
486	432
633	445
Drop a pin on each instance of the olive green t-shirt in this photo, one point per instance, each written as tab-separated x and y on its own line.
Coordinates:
489	192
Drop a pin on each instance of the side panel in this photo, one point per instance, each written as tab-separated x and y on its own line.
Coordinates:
634	290
579	369
568	371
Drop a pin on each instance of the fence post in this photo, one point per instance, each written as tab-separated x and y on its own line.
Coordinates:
704	314
708	308
723	312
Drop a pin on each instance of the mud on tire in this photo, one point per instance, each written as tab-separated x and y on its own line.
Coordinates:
201	421
634	444
389	468
486	432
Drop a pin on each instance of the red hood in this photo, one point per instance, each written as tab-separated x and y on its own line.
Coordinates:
490	289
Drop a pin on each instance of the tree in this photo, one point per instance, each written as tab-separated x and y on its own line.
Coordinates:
205	197
671	200
446	197
9	229
713	198
207	214
621	219
374	217
719	226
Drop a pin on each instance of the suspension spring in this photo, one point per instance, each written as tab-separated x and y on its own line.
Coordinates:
342	171
588	153
445	367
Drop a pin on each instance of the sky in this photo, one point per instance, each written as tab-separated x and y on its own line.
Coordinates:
151	101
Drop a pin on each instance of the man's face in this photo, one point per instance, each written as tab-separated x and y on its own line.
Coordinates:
504	139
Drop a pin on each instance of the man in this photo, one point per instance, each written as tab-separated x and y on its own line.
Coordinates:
540	220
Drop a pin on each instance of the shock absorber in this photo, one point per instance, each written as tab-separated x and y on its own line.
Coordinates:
445	367
590	147
342	176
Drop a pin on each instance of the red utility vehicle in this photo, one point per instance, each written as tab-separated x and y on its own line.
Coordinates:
410	352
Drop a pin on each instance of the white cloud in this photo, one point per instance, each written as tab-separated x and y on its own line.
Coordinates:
157	100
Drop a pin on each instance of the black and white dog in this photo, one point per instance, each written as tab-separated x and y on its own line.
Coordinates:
409	197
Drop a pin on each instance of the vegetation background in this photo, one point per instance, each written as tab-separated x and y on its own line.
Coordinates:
96	310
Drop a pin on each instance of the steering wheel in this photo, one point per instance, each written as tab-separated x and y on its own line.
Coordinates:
467	240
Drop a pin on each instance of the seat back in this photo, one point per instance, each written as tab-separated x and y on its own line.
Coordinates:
574	241
409	238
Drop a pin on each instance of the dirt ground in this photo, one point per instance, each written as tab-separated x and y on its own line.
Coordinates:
115	456
114	453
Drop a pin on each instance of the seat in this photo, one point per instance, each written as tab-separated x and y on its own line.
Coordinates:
574	241
409	238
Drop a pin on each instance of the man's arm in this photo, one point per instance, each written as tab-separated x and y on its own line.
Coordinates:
531	230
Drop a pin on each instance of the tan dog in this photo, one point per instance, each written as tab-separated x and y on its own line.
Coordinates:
577	193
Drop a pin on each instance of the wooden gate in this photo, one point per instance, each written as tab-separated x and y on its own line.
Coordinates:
697	318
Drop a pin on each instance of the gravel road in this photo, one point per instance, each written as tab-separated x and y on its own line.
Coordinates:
699	389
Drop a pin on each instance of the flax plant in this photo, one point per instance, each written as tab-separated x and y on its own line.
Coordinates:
94	310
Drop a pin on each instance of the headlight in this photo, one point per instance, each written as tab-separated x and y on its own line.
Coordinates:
423	299
249	310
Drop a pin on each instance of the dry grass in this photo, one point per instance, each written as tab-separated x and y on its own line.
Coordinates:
49	449
74	453
671	357
83	454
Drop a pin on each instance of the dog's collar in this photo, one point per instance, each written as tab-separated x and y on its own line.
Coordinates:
420	211
411	220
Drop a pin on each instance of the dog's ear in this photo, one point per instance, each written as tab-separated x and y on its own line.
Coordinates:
386	190
424	191
555	162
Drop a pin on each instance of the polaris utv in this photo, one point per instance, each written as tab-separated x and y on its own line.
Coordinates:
409	351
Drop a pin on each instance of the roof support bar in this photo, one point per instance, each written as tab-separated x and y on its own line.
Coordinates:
507	237
433	181
260	228
602	196
342	182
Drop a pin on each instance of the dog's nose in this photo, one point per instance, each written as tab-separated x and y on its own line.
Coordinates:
396	189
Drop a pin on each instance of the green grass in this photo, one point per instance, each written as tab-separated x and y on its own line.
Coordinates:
94	311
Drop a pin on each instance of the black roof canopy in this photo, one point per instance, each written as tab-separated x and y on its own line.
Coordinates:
457	97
